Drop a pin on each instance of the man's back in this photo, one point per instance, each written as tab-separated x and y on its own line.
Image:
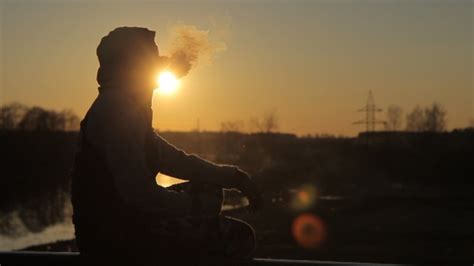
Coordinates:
99	211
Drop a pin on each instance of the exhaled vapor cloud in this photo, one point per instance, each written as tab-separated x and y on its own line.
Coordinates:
190	46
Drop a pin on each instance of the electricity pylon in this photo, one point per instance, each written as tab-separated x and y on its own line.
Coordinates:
370	110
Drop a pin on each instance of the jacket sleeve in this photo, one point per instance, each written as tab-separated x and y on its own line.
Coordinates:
120	136
177	163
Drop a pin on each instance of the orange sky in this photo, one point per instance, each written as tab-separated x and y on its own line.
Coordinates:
311	61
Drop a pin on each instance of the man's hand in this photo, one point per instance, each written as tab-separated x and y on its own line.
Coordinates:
248	187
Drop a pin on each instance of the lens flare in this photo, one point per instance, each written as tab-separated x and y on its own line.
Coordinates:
309	231
167	82
304	198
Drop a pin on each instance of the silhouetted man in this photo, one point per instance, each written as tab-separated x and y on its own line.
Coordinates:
119	210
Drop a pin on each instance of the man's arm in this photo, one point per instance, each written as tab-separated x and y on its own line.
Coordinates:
119	133
177	163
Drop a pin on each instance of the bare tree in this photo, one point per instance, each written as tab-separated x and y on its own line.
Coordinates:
268	123
232	126
415	120
394	118
11	114
72	121
435	118
432	119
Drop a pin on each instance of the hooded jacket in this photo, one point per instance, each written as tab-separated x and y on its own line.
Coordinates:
118	158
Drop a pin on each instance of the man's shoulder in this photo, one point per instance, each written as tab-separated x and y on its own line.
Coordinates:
110	107
110	101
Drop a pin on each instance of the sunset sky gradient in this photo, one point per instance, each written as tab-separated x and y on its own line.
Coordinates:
311	61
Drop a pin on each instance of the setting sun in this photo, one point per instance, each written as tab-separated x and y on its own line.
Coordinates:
167	82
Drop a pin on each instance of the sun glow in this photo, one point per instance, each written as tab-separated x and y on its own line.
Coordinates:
167	82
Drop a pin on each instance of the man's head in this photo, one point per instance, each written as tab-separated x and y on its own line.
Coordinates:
128	57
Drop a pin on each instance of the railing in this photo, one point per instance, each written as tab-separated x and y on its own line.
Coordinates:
38	258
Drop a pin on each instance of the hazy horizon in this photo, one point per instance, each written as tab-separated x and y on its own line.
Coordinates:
311	61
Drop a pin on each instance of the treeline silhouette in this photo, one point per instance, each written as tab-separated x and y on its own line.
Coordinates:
432	118
16	116
267	123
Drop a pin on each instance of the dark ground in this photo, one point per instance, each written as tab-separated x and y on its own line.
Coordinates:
372	230
404	198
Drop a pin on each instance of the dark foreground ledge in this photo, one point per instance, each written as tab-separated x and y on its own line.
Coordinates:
72	258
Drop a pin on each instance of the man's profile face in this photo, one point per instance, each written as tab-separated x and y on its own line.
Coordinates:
145	74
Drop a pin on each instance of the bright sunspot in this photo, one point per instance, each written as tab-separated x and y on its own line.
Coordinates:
167	82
